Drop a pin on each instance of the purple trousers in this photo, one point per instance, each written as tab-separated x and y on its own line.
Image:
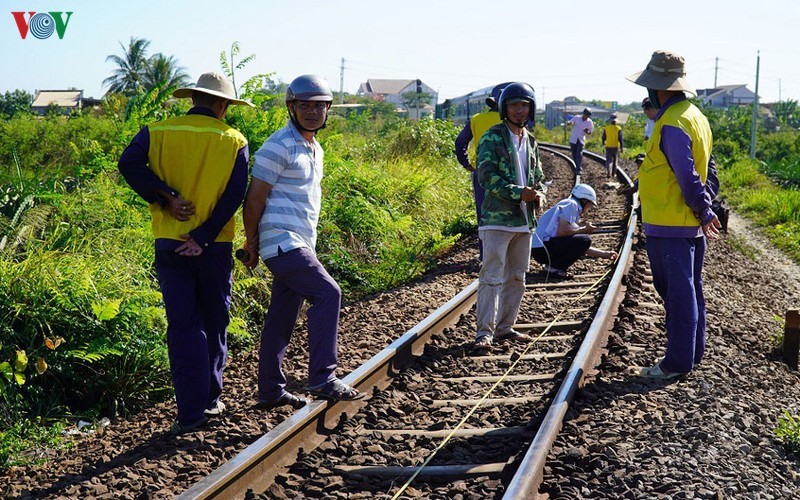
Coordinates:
677	266
298	275
197	298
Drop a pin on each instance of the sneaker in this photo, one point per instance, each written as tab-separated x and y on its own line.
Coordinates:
513	335
216	410
656	373
178	428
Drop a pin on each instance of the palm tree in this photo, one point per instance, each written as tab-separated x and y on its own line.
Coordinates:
127	78
163	71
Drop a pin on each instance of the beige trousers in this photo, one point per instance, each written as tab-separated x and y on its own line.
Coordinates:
501	282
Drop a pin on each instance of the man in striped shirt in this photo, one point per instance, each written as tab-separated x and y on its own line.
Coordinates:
280	216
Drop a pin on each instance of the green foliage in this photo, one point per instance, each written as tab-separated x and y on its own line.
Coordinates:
230	67
432	139
788	431
390	208
41	152
79	294
414	102
153	105
776	337
22	441
128	76
781	151
256	125
787	113
754	193
164	71
731	124
16	102
136	73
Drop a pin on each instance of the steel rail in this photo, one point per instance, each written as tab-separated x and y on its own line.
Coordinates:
548	146
256	466
525	482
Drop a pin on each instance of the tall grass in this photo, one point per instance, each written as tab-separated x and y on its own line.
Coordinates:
776	208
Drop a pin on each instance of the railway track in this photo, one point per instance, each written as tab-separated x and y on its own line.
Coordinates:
438	420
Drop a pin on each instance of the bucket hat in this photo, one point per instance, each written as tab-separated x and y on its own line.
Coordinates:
665	71
215	84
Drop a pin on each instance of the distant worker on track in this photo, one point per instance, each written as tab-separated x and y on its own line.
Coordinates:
510	172
612	140
280	216
581	127
677	181
559	241
192	169
467	145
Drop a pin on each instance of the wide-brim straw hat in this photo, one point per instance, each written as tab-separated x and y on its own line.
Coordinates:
214	84
665	71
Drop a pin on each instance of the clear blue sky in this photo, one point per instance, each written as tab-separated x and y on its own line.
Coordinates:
576	48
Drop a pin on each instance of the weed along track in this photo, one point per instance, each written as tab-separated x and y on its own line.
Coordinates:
439	419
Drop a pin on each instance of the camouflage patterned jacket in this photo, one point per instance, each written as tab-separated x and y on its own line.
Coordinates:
497	174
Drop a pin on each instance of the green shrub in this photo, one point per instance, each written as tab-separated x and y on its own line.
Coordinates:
20	442
788	431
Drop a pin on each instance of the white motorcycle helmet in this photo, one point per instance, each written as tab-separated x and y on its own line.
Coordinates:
585	192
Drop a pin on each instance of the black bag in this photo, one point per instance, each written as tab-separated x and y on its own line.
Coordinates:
722	211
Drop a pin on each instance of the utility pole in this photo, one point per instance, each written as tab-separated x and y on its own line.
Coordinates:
419	91
755	111
779	90
716	69
341	83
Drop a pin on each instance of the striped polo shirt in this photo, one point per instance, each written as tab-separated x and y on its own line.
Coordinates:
293	167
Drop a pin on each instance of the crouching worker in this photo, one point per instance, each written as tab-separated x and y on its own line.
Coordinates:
559	241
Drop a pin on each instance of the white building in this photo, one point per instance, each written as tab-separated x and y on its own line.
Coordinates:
394	90
726	96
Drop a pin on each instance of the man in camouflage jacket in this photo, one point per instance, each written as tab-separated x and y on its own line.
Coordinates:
510	172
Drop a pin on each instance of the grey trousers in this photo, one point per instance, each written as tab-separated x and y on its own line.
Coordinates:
501	282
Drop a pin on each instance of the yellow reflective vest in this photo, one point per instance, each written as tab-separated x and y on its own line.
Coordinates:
612	135
195	155
662	200
478	124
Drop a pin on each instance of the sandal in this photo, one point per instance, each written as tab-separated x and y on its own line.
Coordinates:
514	335
286	399
483	343
336	390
